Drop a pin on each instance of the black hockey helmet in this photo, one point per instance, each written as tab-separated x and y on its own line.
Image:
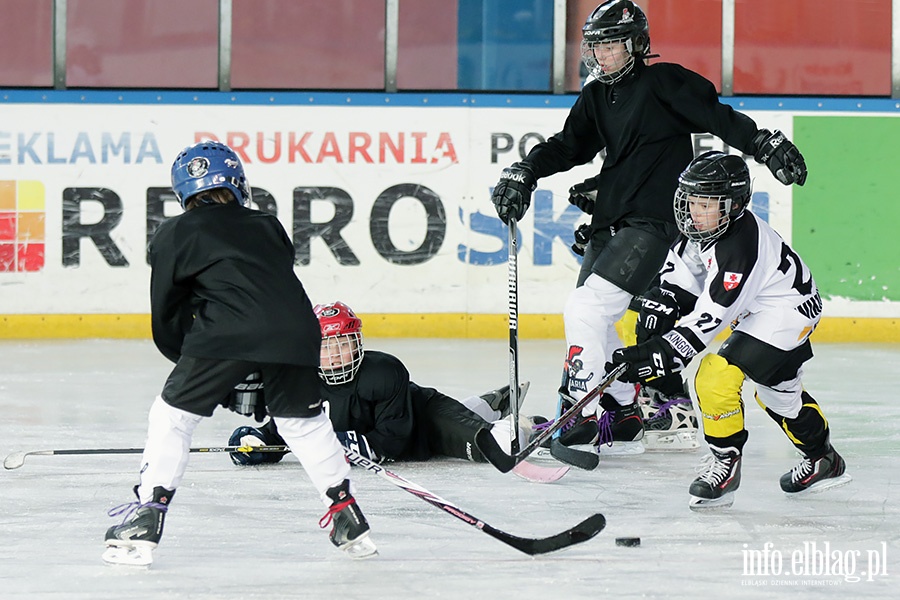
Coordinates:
713	179
615	21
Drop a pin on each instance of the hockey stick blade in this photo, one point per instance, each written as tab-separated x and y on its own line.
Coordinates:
572	456
505	462
538	474
17	459
531	546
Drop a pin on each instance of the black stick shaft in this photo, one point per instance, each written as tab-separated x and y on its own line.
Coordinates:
574	535
513	299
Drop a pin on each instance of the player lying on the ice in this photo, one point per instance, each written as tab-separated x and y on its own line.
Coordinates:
729	267
374	407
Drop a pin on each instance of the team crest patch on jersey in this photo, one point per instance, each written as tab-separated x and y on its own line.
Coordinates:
731	280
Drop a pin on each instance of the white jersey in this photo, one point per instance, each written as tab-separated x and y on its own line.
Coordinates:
750	279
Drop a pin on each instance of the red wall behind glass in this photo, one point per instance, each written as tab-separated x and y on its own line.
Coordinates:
427	52
802	47
813	47
142	43
26	43
308	44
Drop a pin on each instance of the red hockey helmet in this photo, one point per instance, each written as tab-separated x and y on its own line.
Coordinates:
342	342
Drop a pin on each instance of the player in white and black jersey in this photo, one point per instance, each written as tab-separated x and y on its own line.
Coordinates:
641	116
729	267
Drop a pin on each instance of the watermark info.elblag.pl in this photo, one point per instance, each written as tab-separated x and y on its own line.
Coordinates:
812	564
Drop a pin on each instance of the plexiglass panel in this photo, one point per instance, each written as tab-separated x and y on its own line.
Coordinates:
308	44
813	47
427	55
142	43
26	43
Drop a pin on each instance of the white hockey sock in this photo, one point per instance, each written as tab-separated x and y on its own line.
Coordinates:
313	442
167	449
590	315
480	407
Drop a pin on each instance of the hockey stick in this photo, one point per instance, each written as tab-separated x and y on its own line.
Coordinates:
574	535
513	305
571	456
17	459
504	462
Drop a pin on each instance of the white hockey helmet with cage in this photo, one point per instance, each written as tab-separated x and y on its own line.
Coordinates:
712	177
614	22
342	343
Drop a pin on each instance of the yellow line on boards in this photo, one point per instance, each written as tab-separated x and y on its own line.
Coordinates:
432	325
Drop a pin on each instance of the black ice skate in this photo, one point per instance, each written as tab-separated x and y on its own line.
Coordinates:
621	428
580	432
499	399
350	530
132	542
720	478
816	475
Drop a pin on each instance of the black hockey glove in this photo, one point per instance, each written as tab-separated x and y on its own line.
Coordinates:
512	194
584	195
657	357
358	443
251	436
582	237
248	398
781	156
658	314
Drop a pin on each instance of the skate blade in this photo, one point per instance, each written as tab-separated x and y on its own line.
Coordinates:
821	486
129	556
542	456
621	449
671	441
702	504
362	547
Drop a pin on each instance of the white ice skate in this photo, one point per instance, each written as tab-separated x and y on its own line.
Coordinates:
670	425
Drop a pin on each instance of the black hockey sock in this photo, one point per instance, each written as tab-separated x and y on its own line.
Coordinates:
808	431
735	440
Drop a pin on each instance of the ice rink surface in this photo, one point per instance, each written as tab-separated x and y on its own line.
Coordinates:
251	533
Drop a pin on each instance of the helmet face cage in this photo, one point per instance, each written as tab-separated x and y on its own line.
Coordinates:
340	357
342	348
701	228
712	191
208	166
614	22
601	69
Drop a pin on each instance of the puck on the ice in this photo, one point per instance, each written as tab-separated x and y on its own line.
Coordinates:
628	541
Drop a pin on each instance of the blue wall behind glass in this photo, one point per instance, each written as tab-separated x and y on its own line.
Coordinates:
505	45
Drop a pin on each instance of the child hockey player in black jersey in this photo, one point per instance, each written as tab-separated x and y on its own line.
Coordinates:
375	408
730	268
642	116
225	303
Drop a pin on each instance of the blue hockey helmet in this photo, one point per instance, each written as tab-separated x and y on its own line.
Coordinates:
208	166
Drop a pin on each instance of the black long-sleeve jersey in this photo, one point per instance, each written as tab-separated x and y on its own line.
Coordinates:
223	287
644	122
400	420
